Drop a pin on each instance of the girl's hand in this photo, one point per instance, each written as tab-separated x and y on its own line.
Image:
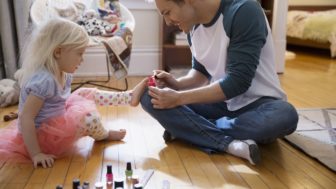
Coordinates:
165	79
46	160
164	98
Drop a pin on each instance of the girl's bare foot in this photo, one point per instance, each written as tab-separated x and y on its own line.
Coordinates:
137	91
116	135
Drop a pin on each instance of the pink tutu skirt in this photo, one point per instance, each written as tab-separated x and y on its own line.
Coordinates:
56	136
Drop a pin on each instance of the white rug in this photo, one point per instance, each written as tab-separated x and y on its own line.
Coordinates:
316	134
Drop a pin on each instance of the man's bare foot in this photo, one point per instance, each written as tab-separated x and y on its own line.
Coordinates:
116	135
137	91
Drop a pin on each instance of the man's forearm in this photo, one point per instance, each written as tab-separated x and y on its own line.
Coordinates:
207	94
192	80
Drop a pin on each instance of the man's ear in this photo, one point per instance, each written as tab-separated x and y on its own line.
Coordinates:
57	52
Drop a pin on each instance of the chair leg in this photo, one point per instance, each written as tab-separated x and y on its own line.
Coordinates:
95	82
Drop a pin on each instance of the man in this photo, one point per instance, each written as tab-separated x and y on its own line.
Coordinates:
231	98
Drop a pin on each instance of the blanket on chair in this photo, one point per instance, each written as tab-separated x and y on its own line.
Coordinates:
118	50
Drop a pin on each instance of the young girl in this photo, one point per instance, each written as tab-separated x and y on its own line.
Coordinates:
50	118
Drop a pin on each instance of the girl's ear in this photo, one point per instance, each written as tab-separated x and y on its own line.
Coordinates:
57	52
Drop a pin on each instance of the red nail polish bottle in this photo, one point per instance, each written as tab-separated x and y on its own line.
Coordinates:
109	175
151	81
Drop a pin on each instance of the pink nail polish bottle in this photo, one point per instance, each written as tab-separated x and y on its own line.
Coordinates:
151	81
109	175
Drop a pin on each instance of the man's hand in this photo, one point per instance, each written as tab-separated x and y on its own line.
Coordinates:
46	160
165	79
164	98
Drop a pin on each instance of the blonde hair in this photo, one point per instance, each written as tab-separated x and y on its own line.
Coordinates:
39	52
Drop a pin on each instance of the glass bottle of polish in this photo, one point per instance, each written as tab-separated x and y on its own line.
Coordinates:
128	171
151	81
86	185
75	183
135	179
109	175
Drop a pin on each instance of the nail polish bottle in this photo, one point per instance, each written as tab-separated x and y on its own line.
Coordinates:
86	185
165	184
151	81
135	179
128	171
109	175
59	187
75	183
10	116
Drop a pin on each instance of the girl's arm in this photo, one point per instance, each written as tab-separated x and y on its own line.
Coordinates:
31	108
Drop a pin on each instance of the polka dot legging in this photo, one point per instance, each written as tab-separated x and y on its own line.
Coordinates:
91	122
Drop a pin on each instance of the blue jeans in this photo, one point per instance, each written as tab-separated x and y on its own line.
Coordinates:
212	127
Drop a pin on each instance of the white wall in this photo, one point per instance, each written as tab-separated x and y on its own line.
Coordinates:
146	51
312	2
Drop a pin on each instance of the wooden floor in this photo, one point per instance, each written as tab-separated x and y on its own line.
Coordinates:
309	80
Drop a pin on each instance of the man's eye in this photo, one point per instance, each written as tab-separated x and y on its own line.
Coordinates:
166	13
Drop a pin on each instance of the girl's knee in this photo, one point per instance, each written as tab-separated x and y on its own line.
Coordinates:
86	92
93	127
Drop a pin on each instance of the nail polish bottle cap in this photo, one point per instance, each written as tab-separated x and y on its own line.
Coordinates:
59	187
118	182
109	169
99	185
128	166
86	185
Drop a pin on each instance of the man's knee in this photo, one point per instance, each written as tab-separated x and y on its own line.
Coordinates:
146	101
293	118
